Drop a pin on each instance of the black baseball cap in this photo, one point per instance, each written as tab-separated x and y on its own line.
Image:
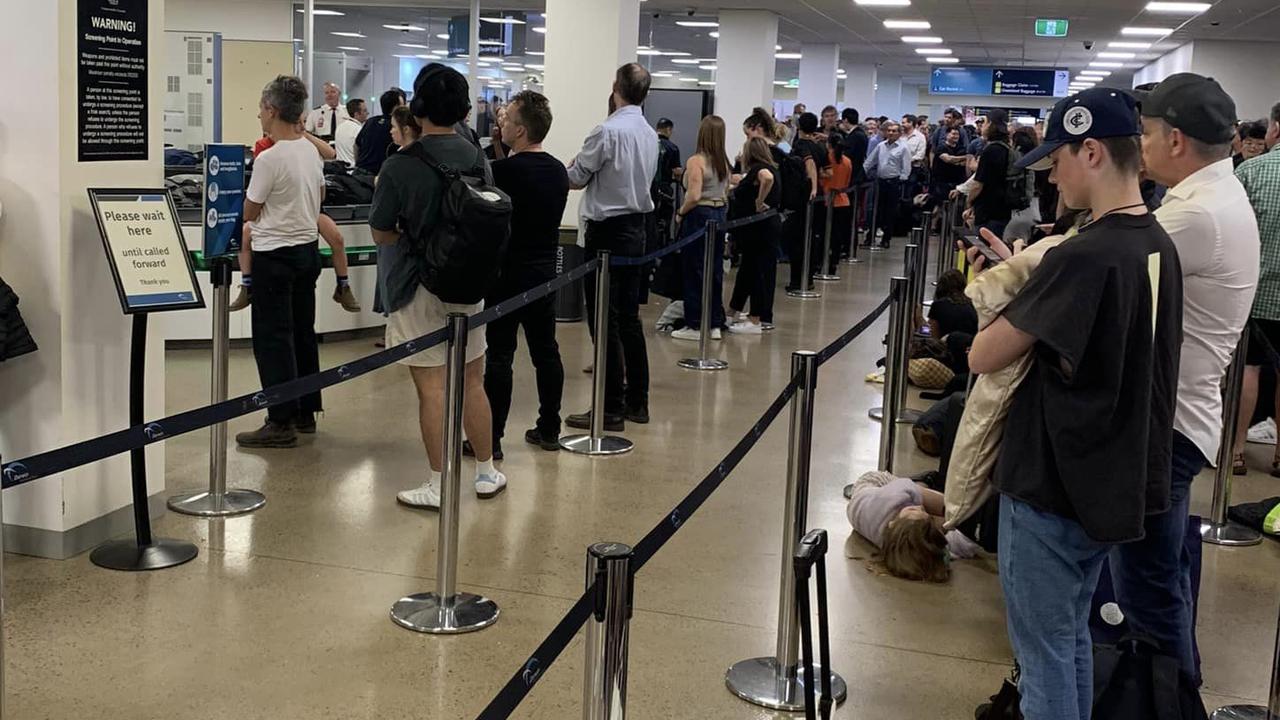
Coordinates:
1195	104
1094	113
665	123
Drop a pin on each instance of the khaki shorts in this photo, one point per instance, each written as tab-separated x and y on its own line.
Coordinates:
425	314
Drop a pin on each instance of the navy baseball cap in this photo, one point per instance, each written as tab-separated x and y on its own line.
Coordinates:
1094	113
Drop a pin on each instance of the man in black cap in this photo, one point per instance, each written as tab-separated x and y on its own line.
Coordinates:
669	172
1187	126
1086	447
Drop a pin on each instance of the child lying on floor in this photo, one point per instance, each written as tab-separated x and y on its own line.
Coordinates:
904	520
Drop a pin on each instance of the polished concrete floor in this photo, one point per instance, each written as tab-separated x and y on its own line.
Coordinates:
284	615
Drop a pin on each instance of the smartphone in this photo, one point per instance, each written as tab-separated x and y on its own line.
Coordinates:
972	240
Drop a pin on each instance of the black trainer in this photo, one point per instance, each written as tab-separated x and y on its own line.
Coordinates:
306	423
639	416
270	435
612	423
534	436
471	452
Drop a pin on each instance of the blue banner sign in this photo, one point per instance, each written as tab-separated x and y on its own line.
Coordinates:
1027	82
223	199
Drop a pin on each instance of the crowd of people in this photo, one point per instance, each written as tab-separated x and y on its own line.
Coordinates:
1098	342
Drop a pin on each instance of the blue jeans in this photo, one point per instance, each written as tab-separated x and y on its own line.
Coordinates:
1152	577
1049	568
692	262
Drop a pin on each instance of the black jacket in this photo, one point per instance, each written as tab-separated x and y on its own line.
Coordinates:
15	340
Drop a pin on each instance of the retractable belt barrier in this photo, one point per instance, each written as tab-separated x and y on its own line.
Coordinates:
74	455
515	690
619	261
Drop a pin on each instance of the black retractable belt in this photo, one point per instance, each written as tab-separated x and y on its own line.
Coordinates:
811	551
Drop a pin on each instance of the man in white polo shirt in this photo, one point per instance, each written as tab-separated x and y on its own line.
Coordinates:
323	121
1187	125
344	138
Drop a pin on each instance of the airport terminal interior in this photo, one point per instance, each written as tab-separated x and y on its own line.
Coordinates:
284	610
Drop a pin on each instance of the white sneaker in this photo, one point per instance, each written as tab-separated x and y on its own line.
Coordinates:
746	328
767	327
488	486
879	233
715	334
1264	433
686	333
426	496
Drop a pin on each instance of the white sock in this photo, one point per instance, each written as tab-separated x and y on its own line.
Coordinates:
433	478
485	467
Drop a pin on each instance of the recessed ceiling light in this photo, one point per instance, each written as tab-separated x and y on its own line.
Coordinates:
921	39
443	36
1178	7
657	74
779	82
1146	31
405	28
535	53
686	61
533	66
425	56
1118	55
648	51
502	20
404	56
540	30
414	45
706	67
942	60
895	3
493	43
933	51
350	47
686	79
1130	45
907	24
1102	63
714	33
439	53
1095	73
787	56
698	23
681	53
706	82
345	33
324	12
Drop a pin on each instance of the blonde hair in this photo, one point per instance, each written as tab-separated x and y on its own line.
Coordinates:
915	549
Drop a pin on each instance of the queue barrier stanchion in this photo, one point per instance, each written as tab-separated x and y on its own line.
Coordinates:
946	249
859	193
874	201
1257	712
887	413
806	290
828	273
926	221
811	554
1217	529
921	238
218	501
914	272
604	687
702	362
144	552
776	682
596	442
447	611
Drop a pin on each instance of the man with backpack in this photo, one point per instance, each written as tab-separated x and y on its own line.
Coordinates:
423	274
998	188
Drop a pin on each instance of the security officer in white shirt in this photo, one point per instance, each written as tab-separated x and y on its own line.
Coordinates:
323	121
344	138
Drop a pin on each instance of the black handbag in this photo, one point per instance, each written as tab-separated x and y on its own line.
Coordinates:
1004	705
1133	680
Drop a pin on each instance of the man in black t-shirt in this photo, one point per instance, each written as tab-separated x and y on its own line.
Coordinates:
664	184
989	205
1087	442
375	136
538	185
809	147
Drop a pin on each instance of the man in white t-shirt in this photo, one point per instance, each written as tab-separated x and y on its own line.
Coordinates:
283	205
323	121
344	138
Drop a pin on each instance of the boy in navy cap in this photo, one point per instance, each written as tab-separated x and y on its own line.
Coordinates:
1086	447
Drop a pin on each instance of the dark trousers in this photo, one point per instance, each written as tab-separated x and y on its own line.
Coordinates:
889	194
1152	577
626	355
795	238
758	274
538	319
841	233
693	269
283	317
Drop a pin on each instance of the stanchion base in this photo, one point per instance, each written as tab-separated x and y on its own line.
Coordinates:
804	294
757	681
826	278
207	504
908	416
876	413
424	613
851	261
129	556
607	445
701	364
1229	534
1239	712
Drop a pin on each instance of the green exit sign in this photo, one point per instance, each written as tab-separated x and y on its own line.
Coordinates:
1051	28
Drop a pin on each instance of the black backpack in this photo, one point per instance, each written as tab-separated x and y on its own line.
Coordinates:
1133	680
461	257
795	183
1017	182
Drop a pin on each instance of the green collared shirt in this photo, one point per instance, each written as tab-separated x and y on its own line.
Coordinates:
1261	179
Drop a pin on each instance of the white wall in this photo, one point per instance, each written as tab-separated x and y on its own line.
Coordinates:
1174	61
235	19
1248	71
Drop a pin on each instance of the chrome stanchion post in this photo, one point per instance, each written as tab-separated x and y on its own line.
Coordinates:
596	442
945	249
828	271
873	198
806	290
218	501
890	408
920	236
604	687
447	611
1217	529
702	362
777	682
906	327
853	231
1256	712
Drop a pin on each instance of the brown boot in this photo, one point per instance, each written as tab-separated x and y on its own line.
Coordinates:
347	299
242	300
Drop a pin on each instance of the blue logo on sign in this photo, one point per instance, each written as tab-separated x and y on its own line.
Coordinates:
153	431
532	671
16	472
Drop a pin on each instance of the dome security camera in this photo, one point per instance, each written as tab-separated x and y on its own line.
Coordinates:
1088	44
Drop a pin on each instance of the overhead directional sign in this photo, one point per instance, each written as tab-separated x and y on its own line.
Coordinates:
1050	27
1027	82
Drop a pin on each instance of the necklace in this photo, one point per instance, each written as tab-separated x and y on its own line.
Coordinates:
1112	211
